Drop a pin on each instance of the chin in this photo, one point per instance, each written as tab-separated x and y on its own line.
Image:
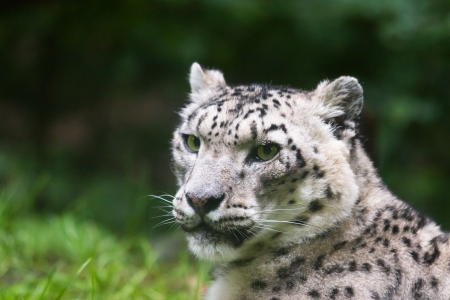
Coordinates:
211	248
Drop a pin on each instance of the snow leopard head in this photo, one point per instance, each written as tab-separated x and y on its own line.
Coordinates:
260	163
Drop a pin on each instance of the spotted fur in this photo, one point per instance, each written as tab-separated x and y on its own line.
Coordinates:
313	222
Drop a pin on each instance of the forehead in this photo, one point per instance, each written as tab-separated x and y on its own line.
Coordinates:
244	114
242	102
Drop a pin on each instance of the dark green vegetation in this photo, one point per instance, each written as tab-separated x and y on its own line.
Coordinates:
87	101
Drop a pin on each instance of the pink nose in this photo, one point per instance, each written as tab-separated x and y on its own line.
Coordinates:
205	204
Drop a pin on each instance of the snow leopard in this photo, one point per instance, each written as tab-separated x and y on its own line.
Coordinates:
276	189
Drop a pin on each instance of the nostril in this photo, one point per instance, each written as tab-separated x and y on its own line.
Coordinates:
213	203
205	204
189	200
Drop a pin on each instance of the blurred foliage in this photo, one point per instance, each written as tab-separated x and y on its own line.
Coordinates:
63	257
89	89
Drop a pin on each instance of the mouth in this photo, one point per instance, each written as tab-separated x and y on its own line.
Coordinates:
207	235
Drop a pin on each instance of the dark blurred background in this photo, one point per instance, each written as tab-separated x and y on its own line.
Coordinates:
89	91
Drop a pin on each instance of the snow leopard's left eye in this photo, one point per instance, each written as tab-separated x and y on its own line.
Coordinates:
267	151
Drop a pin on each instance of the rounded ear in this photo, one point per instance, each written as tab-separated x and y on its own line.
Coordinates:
201	79
344	93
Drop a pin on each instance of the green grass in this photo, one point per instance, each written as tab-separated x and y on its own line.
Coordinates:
66	257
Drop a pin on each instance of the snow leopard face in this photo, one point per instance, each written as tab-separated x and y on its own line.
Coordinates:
260	164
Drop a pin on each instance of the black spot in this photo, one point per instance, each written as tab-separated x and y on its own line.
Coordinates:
254	130
301	279
214	125
193	115
387	224
383	266
407	214
314	294
315	150
319	262
291	201
315	206
430	257
317	172
283	273
200	120
352	266
290	285
276	289
386	243
328	193
395	229
289	141
297	262
248	113
259	285
406	228
242	175
398	276
406	241
422	222
274	127
281	251
417	288
366	267
339	246
414	255
274	298
375	295
300	161
305	174
434	282
395	214
334	269
349	293
262	112
333	293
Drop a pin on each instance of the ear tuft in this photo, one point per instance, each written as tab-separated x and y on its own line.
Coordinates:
201	79
345	93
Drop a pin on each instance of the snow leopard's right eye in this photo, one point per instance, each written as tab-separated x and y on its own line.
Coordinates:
191	142
266	152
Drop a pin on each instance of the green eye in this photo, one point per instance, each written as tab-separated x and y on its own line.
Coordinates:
192	143
266	152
